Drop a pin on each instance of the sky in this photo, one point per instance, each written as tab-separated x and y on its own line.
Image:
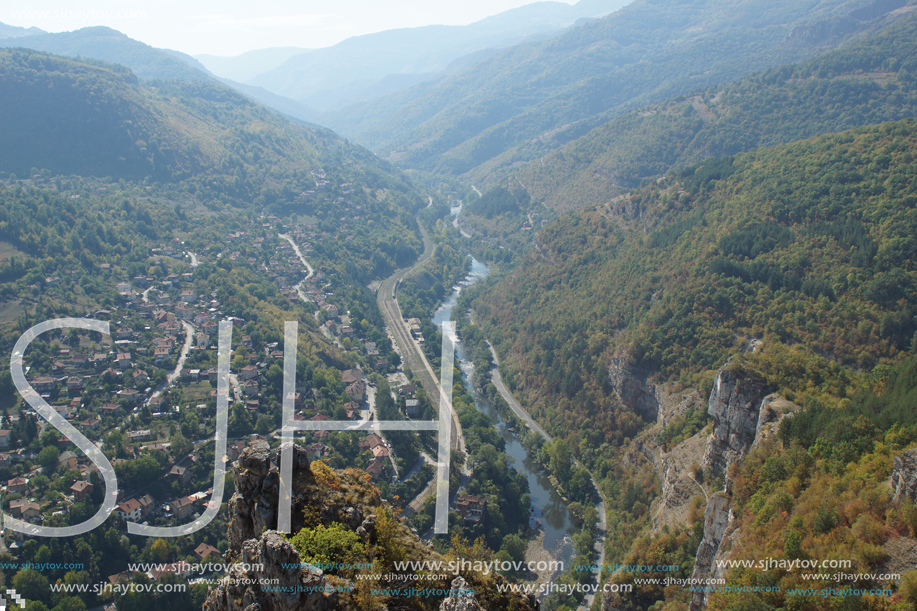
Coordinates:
231	27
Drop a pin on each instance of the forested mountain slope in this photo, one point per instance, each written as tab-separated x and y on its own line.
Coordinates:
92	118
869	81
644	53
810	243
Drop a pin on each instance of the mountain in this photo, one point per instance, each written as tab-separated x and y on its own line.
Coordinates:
114	47
865	82
80	116
12	31
147	62
562	88
320	78
681	273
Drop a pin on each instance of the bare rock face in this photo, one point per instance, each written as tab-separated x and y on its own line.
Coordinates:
679	484
774	409
717	518
632	388
273	562
460	598
904	475
254	505
735	404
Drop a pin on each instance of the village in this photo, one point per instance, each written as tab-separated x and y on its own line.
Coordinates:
146	394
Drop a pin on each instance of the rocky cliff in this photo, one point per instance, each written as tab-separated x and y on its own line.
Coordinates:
742	410
904	475
734	405
322	495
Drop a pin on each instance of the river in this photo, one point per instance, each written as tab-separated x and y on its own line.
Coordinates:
549	509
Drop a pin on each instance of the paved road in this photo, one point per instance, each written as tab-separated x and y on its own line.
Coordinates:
299	254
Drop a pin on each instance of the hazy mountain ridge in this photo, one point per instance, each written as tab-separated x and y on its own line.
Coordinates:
314	76
868	81
146	62
633	57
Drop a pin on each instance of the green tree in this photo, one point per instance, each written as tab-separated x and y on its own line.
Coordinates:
48	456
32	585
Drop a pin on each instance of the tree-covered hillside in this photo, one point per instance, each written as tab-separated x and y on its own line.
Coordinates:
866	82
87	117
811	244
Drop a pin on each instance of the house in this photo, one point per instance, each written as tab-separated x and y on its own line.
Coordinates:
27	510
129	510
375	469
371	441
4	439
161	354
250	388
234	449
408	390
44	385
184	311
17	484
135	509
355	391
110	409
123	360
201	340
81	490
132	396
205	549
350	376
183	507
141	378
68	458
316	450
141	435
471	507
158	403
91	423
249	372
180	474
188	296
380	452
63	409
210	327
147	505
412	407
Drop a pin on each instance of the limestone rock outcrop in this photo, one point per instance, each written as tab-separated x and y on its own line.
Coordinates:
718	517
735	403
904	475
461	598
273	561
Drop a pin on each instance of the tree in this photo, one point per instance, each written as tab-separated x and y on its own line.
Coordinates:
32	585
180	446
514	545
48	456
